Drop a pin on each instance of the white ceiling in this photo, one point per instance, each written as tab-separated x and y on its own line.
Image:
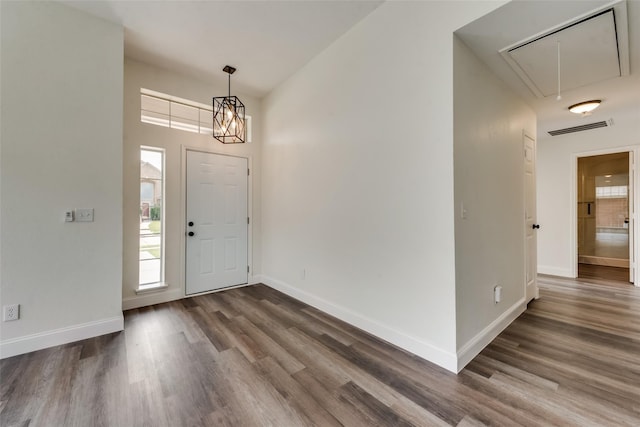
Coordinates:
267	41
521	20
586	52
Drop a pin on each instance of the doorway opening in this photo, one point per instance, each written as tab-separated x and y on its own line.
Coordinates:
604	217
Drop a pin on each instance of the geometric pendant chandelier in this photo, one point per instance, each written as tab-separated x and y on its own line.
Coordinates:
229	120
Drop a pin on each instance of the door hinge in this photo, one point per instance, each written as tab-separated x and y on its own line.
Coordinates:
248	172
247	268
248	221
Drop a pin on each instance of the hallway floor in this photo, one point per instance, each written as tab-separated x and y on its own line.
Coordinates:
605	273
253	356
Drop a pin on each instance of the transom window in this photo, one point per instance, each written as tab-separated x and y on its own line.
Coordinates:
169	111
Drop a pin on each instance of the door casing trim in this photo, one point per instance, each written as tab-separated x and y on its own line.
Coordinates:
573	212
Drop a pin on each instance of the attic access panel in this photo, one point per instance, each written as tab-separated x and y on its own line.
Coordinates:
589	53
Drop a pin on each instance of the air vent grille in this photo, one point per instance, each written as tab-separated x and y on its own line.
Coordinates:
602	124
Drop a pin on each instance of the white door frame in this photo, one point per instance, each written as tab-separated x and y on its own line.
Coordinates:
251	279
527	255
573	195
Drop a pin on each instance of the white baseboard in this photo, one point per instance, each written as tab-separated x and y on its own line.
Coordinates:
475	345
555	271
151	298
171	294
29	343
414	345
255	279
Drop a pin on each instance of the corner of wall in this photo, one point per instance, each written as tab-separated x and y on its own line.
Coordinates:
489	180
475	345
412	344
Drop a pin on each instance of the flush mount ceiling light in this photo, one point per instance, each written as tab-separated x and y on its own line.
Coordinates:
229	118
585	108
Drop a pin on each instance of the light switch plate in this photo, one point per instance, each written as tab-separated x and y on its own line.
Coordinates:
84	215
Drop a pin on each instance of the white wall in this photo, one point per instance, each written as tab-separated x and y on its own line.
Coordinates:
556	157
138	75
489	120
357	195
61	148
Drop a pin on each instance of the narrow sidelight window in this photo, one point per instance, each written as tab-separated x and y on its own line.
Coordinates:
151	218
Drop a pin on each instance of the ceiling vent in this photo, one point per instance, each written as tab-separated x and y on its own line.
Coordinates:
595	125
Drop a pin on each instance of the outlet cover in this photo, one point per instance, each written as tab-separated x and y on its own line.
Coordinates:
497	294
11	312
84	215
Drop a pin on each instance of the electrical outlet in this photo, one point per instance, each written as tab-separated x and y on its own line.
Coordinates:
84	215
11	312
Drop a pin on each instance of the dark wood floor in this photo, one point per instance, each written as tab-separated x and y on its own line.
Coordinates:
603	272
254	357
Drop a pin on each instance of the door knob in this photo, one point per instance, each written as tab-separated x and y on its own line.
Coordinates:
190	223
535	226
191	233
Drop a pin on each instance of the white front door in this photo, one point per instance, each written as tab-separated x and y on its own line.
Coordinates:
216	228
531	246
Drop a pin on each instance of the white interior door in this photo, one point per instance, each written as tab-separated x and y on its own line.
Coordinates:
531	246
631	216
216	228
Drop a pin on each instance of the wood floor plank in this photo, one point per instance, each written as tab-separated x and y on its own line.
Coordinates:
445	392
375	409
525	405
349	371
341	409
302	321
213	328
495	366
186	323
569	412
238	339
269	346
214	302
295	394
603	272
253	356
258	399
